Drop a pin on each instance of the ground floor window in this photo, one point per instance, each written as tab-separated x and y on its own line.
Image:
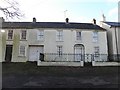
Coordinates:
22	50
96	51
59	50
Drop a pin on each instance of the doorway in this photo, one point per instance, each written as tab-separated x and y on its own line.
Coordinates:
8	53
79	52
35	51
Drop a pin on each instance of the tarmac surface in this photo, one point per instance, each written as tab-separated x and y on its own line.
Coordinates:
62	77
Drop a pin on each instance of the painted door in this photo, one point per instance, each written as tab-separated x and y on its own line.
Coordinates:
79	52
8	53
34	52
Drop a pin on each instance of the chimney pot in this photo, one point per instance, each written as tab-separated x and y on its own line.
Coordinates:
67	20
94	21
34	19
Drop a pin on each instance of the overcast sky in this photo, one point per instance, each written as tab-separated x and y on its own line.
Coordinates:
75	10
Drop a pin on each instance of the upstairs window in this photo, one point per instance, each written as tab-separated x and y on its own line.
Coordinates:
95	36
10	34
78	35
40	35
59	36
23	34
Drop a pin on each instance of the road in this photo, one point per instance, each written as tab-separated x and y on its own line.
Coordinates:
63	77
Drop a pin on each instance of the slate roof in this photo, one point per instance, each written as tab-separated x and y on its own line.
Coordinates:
113	24
31	25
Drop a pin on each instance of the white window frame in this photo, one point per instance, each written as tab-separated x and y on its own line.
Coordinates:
21	35
95	36
10	32
78	35
40	35
22	52
59	50
96	51
59	35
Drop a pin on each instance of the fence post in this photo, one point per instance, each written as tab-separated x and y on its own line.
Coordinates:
39	61
93	60
67	57
81	61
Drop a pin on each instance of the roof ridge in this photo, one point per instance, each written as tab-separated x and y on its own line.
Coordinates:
51	25
51	22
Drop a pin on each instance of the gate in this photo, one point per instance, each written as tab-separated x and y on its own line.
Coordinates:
88	58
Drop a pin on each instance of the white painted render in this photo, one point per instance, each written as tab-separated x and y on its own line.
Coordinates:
0	46
119	40
50	44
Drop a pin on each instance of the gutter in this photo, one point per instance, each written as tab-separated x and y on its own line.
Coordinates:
116	43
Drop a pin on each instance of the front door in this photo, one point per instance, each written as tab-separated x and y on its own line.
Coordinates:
8	54
79	52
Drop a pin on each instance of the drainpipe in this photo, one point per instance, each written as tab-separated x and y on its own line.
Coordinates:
116	43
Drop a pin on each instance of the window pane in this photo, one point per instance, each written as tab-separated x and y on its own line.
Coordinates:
40	35
59	50
10	34
96	51
23	34
95	36
78	35
59	36
22	50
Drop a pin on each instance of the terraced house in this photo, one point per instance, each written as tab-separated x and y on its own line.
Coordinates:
113	36
53	42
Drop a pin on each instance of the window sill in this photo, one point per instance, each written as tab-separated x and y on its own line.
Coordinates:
9	39
22	56
23	40
95	42
40	40
78	41
59	41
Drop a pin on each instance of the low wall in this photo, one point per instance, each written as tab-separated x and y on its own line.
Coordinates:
105	63
39	63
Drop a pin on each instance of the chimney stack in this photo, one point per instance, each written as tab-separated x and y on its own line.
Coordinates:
34	20
94	21
67	20
2	19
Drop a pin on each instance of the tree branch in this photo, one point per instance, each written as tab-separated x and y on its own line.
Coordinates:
12	11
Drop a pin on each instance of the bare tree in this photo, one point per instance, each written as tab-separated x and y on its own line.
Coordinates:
11	10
